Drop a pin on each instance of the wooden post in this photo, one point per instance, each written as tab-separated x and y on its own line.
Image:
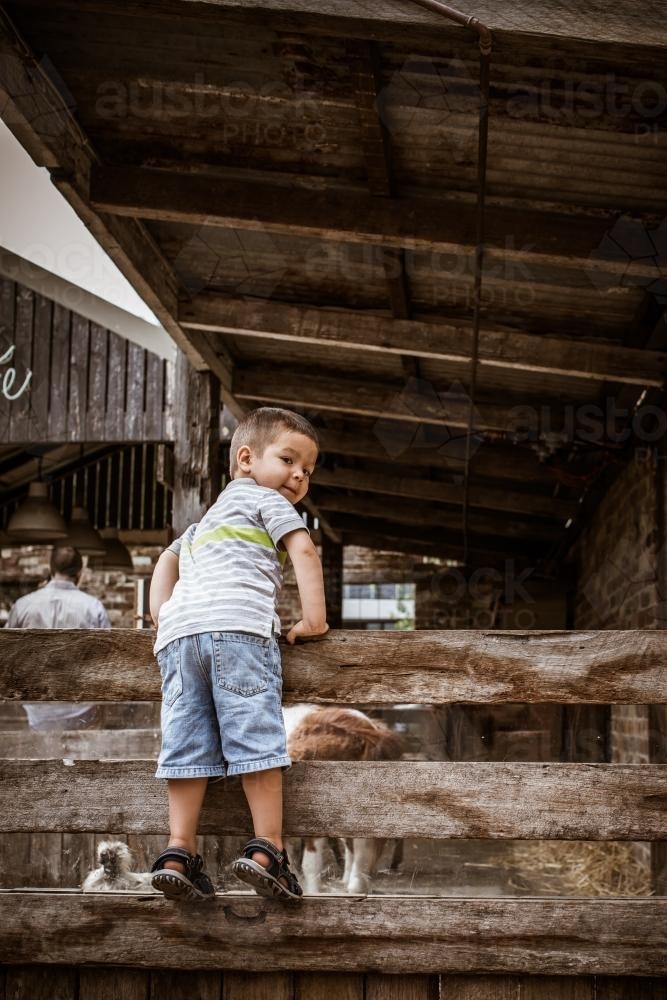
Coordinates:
198	474
658	713
332	563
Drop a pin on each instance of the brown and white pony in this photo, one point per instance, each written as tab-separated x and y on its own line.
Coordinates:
339	734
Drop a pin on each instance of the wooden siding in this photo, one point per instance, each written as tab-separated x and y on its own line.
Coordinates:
88	384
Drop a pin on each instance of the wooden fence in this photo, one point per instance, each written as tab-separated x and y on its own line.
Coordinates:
62	943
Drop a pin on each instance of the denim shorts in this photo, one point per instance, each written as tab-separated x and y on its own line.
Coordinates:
221	706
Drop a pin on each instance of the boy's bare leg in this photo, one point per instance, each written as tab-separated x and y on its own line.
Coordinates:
186	798
264	792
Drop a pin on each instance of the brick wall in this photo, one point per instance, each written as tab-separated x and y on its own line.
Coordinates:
359	566
23	569
617	585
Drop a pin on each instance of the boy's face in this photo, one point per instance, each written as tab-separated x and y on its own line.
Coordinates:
286	464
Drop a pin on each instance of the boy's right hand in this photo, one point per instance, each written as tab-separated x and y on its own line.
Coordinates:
306	632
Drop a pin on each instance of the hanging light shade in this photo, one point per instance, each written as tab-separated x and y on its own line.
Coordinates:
116	555
82	536
36	519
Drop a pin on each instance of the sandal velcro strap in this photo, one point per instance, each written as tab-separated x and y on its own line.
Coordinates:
274	879
193	883
193	863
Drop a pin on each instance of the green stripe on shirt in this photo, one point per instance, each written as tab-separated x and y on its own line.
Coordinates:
238	534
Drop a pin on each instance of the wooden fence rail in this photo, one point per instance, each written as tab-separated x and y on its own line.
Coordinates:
348	667
381	933
350	799
428	940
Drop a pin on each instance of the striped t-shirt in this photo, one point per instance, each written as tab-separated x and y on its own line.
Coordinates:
229	565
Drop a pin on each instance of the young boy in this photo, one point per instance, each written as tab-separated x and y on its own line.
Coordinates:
213	597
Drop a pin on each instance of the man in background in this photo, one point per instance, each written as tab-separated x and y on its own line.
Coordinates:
60	604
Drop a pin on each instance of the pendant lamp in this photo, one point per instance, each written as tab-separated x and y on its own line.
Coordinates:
116	555
82	536
36	520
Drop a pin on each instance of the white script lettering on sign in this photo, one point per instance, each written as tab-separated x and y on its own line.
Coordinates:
9	376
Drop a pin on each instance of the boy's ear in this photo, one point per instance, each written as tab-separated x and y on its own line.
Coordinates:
243	456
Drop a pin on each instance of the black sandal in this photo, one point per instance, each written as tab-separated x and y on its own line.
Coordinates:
266	881
193	884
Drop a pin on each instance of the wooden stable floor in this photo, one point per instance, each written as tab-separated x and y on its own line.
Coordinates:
66	983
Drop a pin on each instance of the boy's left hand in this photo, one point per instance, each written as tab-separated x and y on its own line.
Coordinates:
306	633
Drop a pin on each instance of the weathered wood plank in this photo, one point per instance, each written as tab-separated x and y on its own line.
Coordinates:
91	744
393	20
97	386
383	987
116	388
185	986
523	535
59	378
349	216
123	984
383	933
399	799
505	463
328	986
46	853
349	330
625	988
78	857
365	397
258	986
39	428
480	987
391	536
412	487
136	388
22	339
605	667
78	365
558	988
154	429
40	983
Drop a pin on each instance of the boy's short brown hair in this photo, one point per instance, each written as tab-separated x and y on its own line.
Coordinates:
261	427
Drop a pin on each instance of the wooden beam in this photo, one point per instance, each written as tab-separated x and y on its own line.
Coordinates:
287	386
198	474
393	537
393	934
462	800
37	114
443	543
431	338
491	498
358	667
442	519
399	22
490	461
351	217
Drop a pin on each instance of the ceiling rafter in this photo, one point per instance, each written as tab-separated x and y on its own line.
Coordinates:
438	338
445	226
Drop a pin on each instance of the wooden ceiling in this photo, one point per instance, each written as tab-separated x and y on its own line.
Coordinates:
294	194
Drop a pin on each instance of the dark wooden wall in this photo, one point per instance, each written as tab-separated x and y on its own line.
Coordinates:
88	384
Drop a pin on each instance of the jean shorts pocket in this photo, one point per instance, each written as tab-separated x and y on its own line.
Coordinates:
169	662
241	666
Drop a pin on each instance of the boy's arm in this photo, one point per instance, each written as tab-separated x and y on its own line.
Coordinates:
309	579
165	577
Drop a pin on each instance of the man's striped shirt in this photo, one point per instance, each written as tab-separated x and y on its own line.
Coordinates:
230	567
